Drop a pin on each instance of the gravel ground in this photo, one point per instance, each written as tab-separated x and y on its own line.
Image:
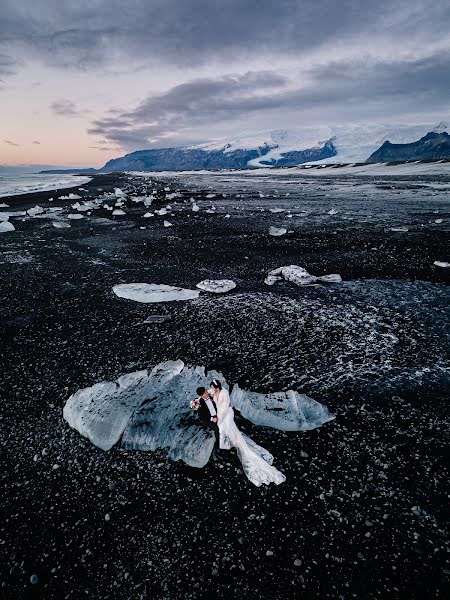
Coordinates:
364	510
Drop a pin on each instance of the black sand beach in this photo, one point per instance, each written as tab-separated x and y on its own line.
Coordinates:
364	509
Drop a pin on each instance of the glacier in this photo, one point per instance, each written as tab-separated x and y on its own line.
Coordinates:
148	410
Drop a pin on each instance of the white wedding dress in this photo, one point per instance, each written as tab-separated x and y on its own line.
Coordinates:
256	461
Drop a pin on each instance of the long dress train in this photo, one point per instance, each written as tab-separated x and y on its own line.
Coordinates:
256	461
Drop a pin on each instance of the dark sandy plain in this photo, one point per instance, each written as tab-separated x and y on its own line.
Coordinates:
364	510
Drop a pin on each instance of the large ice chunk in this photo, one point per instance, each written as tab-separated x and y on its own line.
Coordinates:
150	410
298	275
289	411
152	292
158	404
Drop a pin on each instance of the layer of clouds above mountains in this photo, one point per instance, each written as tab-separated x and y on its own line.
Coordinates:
234	65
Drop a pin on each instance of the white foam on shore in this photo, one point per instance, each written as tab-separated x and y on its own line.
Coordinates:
13	185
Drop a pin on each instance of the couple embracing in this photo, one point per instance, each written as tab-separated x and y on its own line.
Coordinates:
214	409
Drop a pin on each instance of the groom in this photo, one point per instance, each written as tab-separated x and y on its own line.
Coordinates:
207	411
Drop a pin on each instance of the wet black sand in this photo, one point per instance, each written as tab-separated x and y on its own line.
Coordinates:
131	525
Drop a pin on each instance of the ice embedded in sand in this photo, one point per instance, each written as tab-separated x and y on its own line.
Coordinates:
299	275
288	411
150	410
277	231
60	225
70	197
216	286
6	226
36	210
153	292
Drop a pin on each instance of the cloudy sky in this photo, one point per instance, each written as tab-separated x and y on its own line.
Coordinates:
84	81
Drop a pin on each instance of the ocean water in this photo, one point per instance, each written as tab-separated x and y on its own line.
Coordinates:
12	184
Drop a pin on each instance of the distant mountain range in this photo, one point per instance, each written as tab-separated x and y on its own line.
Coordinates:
294	146
431	147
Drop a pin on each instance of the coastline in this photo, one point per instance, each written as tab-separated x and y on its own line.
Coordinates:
371	349
28	198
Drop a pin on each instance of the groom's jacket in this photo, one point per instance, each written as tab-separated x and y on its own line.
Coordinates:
203	411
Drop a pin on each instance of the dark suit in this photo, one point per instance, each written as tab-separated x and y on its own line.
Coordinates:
205	417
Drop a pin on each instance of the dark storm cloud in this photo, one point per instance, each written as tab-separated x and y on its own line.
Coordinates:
84	34
64	108
173	117
188	104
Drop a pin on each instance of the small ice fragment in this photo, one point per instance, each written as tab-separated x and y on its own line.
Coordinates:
36	210
118	212
6	226
70	197
276	210
157	319
334	278
148	215
152	292
167	224
227	216
216	286
332	212
438	221
60	225
74	217
400	229
440	263
118	192
277	231
210	195
195	208
3	205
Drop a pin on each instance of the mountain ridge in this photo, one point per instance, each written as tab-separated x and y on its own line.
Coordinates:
432	146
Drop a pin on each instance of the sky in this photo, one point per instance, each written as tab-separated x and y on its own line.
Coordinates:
82	82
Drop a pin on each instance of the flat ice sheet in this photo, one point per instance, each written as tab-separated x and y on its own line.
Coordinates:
152	292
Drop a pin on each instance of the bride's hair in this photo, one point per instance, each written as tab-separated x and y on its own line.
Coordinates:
215	383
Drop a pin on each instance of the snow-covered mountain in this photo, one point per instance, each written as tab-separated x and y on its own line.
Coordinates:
277	147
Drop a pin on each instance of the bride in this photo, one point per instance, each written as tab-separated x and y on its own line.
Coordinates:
256	461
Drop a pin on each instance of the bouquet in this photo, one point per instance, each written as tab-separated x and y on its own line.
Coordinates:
195	404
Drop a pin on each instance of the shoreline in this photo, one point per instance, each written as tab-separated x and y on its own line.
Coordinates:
364	493
44	195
